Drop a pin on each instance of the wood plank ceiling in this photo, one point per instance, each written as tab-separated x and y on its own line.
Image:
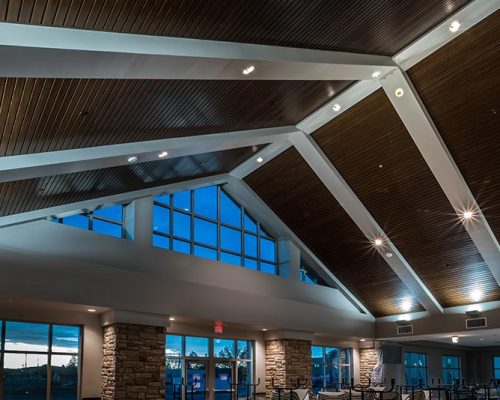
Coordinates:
376	27
460	86
33	194
294	192
39	115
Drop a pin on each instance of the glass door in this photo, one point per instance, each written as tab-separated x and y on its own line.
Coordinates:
224	372
196	379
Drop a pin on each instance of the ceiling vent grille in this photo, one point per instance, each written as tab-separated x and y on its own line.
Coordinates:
475	323
405	330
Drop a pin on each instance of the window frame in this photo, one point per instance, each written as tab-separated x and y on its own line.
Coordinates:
411	367
444	369
495	369
260	233
325	363
49	353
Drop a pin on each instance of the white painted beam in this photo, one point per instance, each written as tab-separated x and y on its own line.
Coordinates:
67	161
424	133
122	198
41	51
339	188
238	189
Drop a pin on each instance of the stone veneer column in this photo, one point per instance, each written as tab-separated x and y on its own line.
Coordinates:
367	361
287	360
133	362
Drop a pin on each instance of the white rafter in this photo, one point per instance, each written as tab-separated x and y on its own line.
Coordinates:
339	188
424	133
49	52
67	161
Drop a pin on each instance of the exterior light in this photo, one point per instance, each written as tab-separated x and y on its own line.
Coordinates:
163	154
336	107
454	26
248	70
399	92
132	159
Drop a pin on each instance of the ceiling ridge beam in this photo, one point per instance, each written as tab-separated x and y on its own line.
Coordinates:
469	16
338	187
28	166
244	194
54	52
425	135
122	198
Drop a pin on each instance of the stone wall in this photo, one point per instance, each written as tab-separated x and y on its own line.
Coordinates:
133	362
367	361
286	361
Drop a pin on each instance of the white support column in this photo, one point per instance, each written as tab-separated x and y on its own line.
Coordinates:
289	259
424	133
139	220
339	188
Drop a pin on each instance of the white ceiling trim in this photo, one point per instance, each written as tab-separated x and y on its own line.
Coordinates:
424	133
91	158
339	188
49	52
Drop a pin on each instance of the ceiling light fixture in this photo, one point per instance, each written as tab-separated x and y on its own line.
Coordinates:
264	329
163	154
362	340
171	318
336	107
132	159
376	74
259	159
406	305
248	70
454	339
91	310
467	215
476	295
378	242
388	254
454	26
399	92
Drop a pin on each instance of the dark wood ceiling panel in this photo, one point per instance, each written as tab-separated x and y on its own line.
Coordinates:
375	27
293	191
38	115
33	194
460	86
371	148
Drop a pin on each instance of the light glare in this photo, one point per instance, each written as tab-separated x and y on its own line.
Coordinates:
378	242
406	305
476	295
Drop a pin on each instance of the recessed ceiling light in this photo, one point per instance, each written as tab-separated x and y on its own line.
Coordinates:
376	74
406	305
171	318
248	70
132	159
264	329
467	215
399	92
362	340
259	159
336	107
91	310
476	295
454	339
454	26
163	154
378	242
388	254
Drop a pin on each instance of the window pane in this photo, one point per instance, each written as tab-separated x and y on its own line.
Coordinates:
161	241
196	347
173	379
205	252
115	213
230	239
332	355
268	268
224	348
250	245
65	339
244	379
230	212
317	354
251	264
268	249
182	200
332	374
230	259
78	221
244	349
161	219
318	377
496	362
163	199
173	346
107	228
182	247
205	232
182	225
25	376
25	336
250	224
64	384
205	202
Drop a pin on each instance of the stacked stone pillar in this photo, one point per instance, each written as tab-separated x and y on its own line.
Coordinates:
286	361
133	362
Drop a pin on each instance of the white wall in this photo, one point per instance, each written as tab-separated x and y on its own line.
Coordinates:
92	338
